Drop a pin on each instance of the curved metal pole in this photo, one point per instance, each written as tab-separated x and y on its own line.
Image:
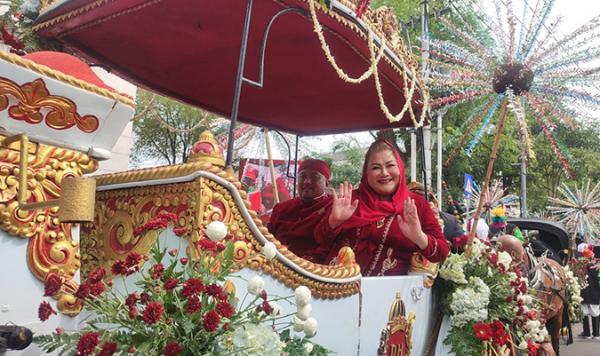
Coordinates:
238	83
261	65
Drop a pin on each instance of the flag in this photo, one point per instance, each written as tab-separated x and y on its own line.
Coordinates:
468	185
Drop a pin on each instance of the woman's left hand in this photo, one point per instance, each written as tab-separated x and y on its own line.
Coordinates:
410	226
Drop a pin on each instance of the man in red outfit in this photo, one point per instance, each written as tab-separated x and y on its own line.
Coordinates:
293	221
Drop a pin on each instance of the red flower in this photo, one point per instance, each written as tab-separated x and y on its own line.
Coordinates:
52	284
96	275
532	348
523	288
180	230
108	349
192	286
223	296
119	267
461	241
170	284
87	343
225	309
220	246
211	321
153	313
184	260
214	290
173	252
97	288
263	294
133	259
207	244
59	331
500	334
45	310
193	304
266	307
133	312
157	270
144	297
131	349
482	331
492	258
83	291
132	299
172	349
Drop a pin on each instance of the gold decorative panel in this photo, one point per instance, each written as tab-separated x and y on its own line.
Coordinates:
196	203
51	246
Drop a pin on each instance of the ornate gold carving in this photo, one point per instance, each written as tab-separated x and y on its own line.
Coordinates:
65	78
396	337
419	264
51	246
34	97
207	149
77	200
196	203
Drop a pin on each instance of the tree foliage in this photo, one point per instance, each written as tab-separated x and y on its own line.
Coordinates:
165	130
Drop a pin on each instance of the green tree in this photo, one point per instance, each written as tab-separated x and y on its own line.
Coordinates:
345	161
165	130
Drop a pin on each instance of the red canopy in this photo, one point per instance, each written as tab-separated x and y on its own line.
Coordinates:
189	50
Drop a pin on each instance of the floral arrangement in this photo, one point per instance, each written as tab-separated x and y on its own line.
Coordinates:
574	286
488	303
182	307
16	22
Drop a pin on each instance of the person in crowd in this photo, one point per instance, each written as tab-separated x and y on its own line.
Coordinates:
293	222
382	221
590	306
450	225
512	229
482	230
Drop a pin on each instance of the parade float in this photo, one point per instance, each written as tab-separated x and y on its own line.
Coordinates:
331	68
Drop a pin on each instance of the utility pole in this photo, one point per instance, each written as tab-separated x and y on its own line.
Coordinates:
425	73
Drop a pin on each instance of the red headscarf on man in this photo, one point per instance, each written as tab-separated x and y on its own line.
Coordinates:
370	207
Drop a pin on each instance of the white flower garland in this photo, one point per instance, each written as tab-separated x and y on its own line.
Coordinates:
375	57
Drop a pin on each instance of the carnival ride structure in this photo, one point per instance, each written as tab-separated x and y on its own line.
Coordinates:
306	80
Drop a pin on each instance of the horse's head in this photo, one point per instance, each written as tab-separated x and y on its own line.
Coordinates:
513	247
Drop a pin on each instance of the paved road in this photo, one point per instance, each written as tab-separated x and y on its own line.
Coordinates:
581	347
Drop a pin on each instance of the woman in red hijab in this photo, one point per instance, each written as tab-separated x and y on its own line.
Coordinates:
382	221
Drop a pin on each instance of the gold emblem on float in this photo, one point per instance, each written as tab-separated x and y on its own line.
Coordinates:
396	337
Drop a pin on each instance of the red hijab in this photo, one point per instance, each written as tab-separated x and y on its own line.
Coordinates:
370	207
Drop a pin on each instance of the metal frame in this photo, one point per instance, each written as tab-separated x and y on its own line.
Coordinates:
240	78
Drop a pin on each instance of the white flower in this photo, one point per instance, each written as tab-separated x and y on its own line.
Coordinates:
269	250
298	324
310	327
453	268
523	345
276	308
302	295
216	231
532	324
256	339
308	347
304	312
477	249
470	303
504	259
256	285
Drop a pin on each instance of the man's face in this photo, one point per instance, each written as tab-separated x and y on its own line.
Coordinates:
311	184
